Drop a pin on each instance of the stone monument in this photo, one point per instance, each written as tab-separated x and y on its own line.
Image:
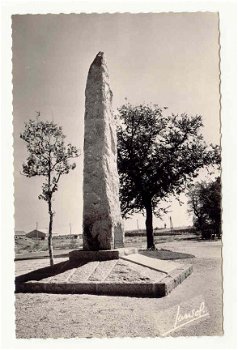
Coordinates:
102	222
89	270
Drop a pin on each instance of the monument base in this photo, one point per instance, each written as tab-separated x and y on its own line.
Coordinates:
134	275
100	255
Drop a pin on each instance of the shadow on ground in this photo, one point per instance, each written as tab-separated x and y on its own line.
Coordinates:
48	271
61	267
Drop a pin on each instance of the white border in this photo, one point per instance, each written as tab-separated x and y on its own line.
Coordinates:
228	18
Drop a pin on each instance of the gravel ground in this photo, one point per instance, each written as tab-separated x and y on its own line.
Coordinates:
70	316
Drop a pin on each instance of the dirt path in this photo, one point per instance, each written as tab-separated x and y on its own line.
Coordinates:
54	316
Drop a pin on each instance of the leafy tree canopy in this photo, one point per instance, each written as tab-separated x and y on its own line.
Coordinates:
157	156
48	156
205	204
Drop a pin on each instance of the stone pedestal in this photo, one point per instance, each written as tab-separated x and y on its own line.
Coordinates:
102	223
100	255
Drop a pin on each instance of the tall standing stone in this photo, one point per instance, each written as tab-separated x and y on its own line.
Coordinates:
102	223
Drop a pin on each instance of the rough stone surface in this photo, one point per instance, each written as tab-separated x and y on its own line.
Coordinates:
92	255
115	277
100	255
103	270
102	223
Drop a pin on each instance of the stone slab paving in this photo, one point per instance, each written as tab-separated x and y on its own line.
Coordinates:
153	275
155	264
118	270
129	276
124	273
103	270
59	278
82	273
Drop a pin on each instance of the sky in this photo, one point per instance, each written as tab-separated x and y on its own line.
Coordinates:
166	58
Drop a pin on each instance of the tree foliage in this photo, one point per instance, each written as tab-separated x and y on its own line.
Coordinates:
205	204
157	156
48	156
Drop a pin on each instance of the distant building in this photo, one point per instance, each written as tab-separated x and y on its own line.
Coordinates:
36	234
20	234
68	236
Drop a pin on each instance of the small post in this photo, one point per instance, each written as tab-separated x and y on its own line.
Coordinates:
171	224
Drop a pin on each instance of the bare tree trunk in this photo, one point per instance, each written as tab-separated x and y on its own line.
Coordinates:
149	225
50	245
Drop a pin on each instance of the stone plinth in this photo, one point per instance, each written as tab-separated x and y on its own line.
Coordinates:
100	255
102	223
110	277
91	255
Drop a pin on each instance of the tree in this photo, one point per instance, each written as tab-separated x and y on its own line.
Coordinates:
48	156
157	156
205	204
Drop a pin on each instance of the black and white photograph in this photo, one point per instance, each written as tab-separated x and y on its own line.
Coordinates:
118	175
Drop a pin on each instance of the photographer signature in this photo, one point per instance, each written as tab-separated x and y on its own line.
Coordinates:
183	319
